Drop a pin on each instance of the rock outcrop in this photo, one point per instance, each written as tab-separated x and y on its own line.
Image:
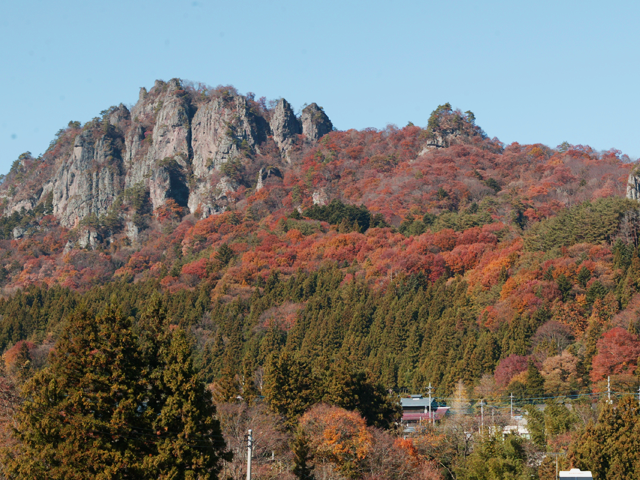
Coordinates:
119	117
315	123
264	174
88	238
172	144
172	131
88	181
443	139
285	127
320	197
159	143
633	184
448	127
223	129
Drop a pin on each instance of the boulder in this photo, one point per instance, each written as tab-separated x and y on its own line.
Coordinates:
320	197
18	232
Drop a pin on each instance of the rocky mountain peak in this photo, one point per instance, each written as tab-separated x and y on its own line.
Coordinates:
194	147
118	116
285	126
315	123
448	127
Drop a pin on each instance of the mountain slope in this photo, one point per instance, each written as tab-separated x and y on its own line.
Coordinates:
421	254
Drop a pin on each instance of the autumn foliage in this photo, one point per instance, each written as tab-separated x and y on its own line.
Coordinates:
618	352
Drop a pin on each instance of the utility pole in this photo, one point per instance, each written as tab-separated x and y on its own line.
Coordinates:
556	454
430	415
638	395
511	406
249	454
482	416
609	390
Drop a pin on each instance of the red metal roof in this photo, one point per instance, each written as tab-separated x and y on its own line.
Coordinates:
415	417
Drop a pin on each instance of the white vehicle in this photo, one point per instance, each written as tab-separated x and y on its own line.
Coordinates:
575	474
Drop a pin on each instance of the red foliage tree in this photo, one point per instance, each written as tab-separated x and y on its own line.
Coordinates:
618	352
508	368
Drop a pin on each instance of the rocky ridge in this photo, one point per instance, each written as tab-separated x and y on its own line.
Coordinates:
172	146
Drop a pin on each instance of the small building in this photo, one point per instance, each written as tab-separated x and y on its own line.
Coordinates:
415	410
518	427
575	474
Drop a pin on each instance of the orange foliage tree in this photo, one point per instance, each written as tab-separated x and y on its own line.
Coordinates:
338	436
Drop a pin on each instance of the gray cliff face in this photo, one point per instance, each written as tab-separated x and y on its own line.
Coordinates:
315	123
173	145
442	139
159	143
445	138
285	127
89	180
633	184
172	131
223	129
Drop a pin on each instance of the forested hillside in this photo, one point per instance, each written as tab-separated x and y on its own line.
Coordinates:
392	259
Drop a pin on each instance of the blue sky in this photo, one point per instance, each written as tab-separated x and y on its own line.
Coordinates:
530	71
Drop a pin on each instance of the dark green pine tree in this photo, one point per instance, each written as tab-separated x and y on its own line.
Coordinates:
212	358
227	386
535	381
611	447
584	275
188	436
564	285
102	409
249	391
302	468
83	414
224	254
355	346
354	390
288	385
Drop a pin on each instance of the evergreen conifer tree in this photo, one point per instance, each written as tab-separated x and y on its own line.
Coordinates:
535	381
227	387
611	447
224	254
302	468
102	409
190	443
288	385
564	285
83	413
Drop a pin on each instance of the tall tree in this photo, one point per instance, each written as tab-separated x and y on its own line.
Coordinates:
611	447
190	443
535	381
102	410
302	469
288	385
